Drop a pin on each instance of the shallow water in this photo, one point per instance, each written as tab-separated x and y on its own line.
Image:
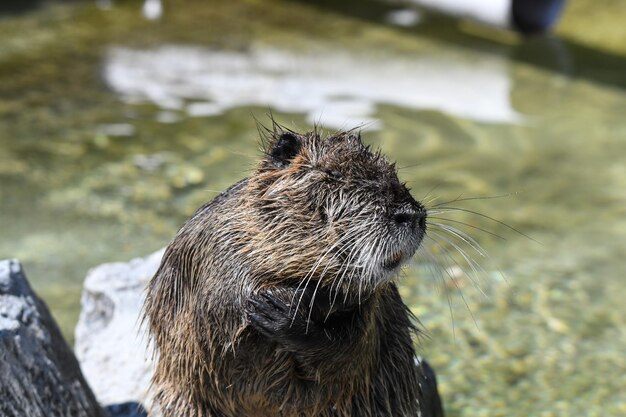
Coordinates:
113	129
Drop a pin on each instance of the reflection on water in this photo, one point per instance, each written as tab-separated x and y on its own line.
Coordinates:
336	89
593	51
114	129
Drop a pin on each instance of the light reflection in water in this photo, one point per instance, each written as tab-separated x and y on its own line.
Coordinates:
334	89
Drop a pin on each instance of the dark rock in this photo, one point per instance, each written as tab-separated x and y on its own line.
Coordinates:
129	409
39	375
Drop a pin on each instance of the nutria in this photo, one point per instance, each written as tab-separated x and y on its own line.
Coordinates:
277	298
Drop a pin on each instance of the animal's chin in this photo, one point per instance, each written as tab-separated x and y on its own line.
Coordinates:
394	261
397	258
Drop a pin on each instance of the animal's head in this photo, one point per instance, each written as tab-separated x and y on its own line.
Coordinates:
330	210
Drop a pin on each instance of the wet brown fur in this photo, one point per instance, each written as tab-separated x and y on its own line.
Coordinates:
294	224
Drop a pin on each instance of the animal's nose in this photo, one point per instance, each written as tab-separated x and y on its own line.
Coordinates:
410	216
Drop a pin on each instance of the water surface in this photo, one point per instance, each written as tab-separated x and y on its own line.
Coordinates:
114	129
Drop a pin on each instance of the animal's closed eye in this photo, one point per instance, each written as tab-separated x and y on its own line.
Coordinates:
333	173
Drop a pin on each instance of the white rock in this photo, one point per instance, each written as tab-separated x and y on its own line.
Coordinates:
110	345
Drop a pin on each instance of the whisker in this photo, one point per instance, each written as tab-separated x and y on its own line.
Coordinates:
468	225
464	237
490	218
472	263
307	278
308	319
489	197
454	282
434	261
433	188
410	166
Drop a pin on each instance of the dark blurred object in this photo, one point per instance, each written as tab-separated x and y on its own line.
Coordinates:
17	6
535	16
428	385
10	8
526	16
129	409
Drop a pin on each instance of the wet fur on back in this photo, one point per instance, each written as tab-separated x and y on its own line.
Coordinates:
277	298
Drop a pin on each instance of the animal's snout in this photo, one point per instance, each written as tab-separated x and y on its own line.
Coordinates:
410	215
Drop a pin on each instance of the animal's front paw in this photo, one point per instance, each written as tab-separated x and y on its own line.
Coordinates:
274	315
268	314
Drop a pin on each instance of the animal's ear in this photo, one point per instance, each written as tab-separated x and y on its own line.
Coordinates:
285	148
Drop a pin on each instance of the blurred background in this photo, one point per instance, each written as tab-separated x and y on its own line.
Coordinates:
119	118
